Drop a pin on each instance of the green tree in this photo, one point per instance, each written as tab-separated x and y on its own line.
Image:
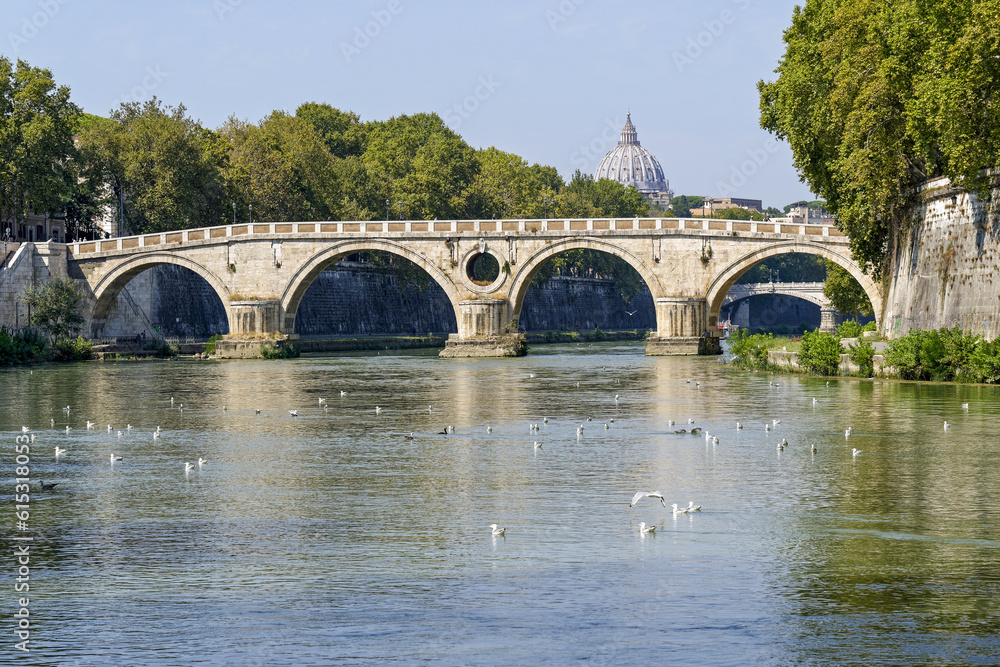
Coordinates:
55	307
504	187
36	141
158	166
845	293
876	97
793	267
738	213
820	353
342	131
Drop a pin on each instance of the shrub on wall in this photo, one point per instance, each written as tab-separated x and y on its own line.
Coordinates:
750	350
820	353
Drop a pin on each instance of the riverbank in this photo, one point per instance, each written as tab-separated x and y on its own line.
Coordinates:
361	343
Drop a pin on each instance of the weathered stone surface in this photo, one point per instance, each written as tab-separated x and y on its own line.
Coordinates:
688	265
947	271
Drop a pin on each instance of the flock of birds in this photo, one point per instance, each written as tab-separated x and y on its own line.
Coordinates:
496	530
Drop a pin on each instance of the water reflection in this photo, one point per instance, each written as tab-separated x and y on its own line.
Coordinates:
366	546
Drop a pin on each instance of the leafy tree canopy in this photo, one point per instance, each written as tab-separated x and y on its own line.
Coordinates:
845	293
875	97
55	307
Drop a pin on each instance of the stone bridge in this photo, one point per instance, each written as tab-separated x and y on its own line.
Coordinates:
262	270
812	292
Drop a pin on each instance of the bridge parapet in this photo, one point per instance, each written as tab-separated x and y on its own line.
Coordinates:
411	228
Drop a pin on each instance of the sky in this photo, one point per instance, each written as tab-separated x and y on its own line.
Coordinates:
551	80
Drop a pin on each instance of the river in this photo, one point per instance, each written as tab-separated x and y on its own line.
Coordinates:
332	538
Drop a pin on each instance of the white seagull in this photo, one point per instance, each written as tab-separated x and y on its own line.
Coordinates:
115	457
202	461
646	494
678	510
855	452
646	530
497	531
187	466
692	507
294	413
60	451
322	401
378	410
343	393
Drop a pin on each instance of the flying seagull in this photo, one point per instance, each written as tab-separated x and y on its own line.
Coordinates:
646	494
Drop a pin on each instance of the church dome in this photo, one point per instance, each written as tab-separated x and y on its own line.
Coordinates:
631	164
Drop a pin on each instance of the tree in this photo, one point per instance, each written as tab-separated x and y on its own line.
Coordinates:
845	293
738	213
158	167
876	97
504	187
793	267
55	307
36	141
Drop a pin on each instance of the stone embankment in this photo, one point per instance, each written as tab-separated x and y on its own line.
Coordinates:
789	361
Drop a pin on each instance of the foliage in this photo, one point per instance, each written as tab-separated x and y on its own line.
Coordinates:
158	167
750	350
942	355
849	329
21	347
72	349
279	351
876	97
791	267
984	363
36	141
737	213
683	204
845	293
862	354
820	353
55	307
210	345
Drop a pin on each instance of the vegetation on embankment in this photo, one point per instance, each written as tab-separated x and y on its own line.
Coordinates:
941	355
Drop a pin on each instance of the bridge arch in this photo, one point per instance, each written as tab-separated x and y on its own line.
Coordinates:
108	287
310	270
526	272
720	286
785	289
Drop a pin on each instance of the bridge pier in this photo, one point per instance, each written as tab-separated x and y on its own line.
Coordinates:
682	328
484	330
829	319
252	325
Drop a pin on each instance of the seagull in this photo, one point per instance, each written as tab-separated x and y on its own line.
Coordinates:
171	400
322	401
109	428
443	431
257	411
612	420
68	429
946	425
646	530
813	448
294	413
690	421
715	441
115	457
775	422
739	426
66	409
696	430
606	426
202	461
683	430
579	431
965	406
409	436
855	452
646	494
60	451
378	410
489	429
692	507
545	420
767	428
497	532
784	443
678	510
119	434
815	401
52	421
225	409
847	433
128	427
670	423
537	445
90	425
630	313
187	466
781	447
616	398
343	393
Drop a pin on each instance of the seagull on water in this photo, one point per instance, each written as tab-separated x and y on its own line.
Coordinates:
965	406
678	510
545	420
46	486
855	452
646	494
91	425
696	430
322	401
692	507
946	425
489	429
409	436
497	532
847	433
670	423
60	451
813	448
646	530
739	426
202	461
187	466
538	445
378	410
257	411
294	413
115	457
343	393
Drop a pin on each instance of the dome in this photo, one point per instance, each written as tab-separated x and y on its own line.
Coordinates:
631	164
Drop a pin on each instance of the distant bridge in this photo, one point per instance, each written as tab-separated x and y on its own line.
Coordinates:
809	291
261	271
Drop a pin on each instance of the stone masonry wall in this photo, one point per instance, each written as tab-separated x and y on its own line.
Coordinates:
947	270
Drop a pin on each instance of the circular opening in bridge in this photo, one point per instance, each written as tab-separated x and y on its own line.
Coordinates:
483	269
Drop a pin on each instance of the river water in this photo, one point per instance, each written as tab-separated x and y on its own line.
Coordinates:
331	538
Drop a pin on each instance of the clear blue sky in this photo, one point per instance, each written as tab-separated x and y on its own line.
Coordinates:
549	80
